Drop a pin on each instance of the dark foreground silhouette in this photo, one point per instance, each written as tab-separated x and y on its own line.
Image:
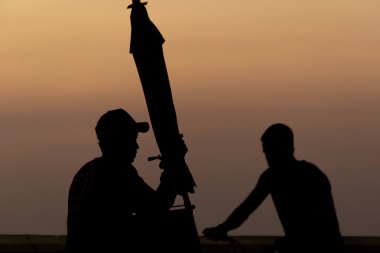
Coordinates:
110	207
247	244
301	193
146	48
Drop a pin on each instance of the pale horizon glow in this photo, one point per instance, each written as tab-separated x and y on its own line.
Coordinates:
235	68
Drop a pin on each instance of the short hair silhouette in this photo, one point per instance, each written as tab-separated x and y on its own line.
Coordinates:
278	142
278	135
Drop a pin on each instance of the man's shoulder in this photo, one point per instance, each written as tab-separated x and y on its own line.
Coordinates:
313	172
309	167
82	184
86	172
267	175
89	167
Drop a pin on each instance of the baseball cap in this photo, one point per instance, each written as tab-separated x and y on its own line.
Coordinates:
118	121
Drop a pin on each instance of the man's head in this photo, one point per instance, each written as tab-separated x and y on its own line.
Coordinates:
278	144
117	133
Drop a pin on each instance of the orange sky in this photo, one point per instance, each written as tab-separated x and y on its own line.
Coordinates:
235	68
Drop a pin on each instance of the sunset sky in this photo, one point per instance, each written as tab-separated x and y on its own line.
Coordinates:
235	68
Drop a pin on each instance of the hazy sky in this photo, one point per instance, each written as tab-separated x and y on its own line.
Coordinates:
235	67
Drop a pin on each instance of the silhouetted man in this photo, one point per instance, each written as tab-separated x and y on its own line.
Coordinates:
301	194
110	207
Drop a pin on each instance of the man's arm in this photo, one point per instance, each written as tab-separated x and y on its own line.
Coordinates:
242	212
153	201
170	180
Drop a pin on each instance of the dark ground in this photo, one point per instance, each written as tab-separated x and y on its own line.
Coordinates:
246	244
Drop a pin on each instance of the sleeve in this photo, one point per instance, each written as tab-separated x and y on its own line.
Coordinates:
79	192
80	189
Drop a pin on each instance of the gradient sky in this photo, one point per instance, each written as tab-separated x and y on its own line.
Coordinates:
235	67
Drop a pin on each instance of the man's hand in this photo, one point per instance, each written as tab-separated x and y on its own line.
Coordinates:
216	233
182	148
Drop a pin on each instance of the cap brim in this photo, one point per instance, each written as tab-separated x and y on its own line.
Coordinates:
142	127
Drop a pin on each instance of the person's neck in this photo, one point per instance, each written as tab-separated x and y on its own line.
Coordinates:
282	162
117	160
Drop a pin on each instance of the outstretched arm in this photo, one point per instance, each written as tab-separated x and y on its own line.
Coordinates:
241	213
170	180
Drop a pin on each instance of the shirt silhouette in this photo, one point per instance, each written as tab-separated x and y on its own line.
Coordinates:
301	193
110	207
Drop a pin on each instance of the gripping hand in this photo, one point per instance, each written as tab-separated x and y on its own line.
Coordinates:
216	233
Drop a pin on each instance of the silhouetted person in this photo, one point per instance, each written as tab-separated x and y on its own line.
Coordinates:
110	207
301	194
